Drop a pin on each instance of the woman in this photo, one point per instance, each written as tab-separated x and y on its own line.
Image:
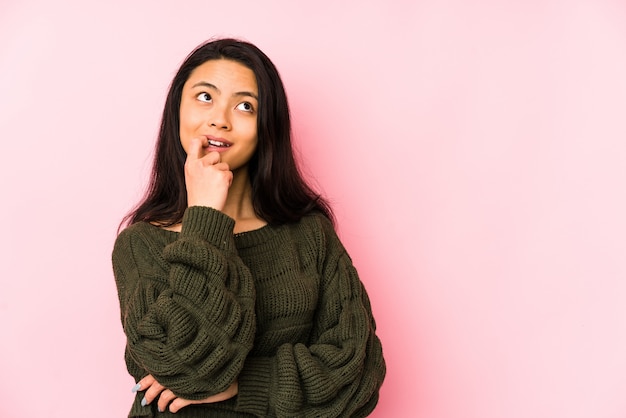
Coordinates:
237	298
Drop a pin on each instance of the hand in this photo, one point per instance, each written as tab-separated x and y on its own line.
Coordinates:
154	388
206	177
176	403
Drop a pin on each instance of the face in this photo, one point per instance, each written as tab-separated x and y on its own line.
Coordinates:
219	105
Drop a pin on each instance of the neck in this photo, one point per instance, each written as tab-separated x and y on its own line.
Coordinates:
239	203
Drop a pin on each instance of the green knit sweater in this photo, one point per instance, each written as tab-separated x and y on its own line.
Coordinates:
281	309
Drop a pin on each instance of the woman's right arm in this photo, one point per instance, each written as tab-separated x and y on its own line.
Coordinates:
192	326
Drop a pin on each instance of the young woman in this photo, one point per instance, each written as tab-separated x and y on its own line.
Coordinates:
237	297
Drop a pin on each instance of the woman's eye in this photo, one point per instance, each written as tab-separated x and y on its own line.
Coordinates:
245	106
204	97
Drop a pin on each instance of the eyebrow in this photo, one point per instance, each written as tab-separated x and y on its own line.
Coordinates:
214	87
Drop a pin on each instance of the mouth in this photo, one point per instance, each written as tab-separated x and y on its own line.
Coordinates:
218	143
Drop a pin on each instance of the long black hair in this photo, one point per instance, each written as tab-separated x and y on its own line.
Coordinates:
279	192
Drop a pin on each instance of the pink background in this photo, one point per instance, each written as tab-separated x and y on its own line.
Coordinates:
475	153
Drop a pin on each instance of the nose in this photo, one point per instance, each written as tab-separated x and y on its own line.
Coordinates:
218	117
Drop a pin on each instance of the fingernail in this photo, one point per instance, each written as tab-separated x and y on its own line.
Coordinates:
160	410
144	402
136	387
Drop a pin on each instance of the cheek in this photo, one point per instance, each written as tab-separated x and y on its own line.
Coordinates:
251	129
254	145
186	122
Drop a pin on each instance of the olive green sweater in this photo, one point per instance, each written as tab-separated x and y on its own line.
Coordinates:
279	309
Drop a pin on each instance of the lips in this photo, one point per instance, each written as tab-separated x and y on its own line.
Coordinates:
218	142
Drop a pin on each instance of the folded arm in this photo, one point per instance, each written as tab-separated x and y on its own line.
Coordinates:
188	310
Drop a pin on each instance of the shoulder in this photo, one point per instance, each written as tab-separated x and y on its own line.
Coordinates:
320	232
140	236
130	233
318	221
316	225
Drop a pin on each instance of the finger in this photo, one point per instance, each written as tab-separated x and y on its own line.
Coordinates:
222	166
211	158
195	149
152	392
144	383
166	397
179	403
230	178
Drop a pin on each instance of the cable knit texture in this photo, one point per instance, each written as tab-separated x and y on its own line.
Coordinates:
281	309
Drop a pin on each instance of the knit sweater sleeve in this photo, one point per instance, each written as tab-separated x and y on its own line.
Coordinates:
188	308
340	371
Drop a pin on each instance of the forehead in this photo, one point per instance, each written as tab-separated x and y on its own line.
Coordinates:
224	74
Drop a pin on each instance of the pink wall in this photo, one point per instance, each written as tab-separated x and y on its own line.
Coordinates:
476	156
